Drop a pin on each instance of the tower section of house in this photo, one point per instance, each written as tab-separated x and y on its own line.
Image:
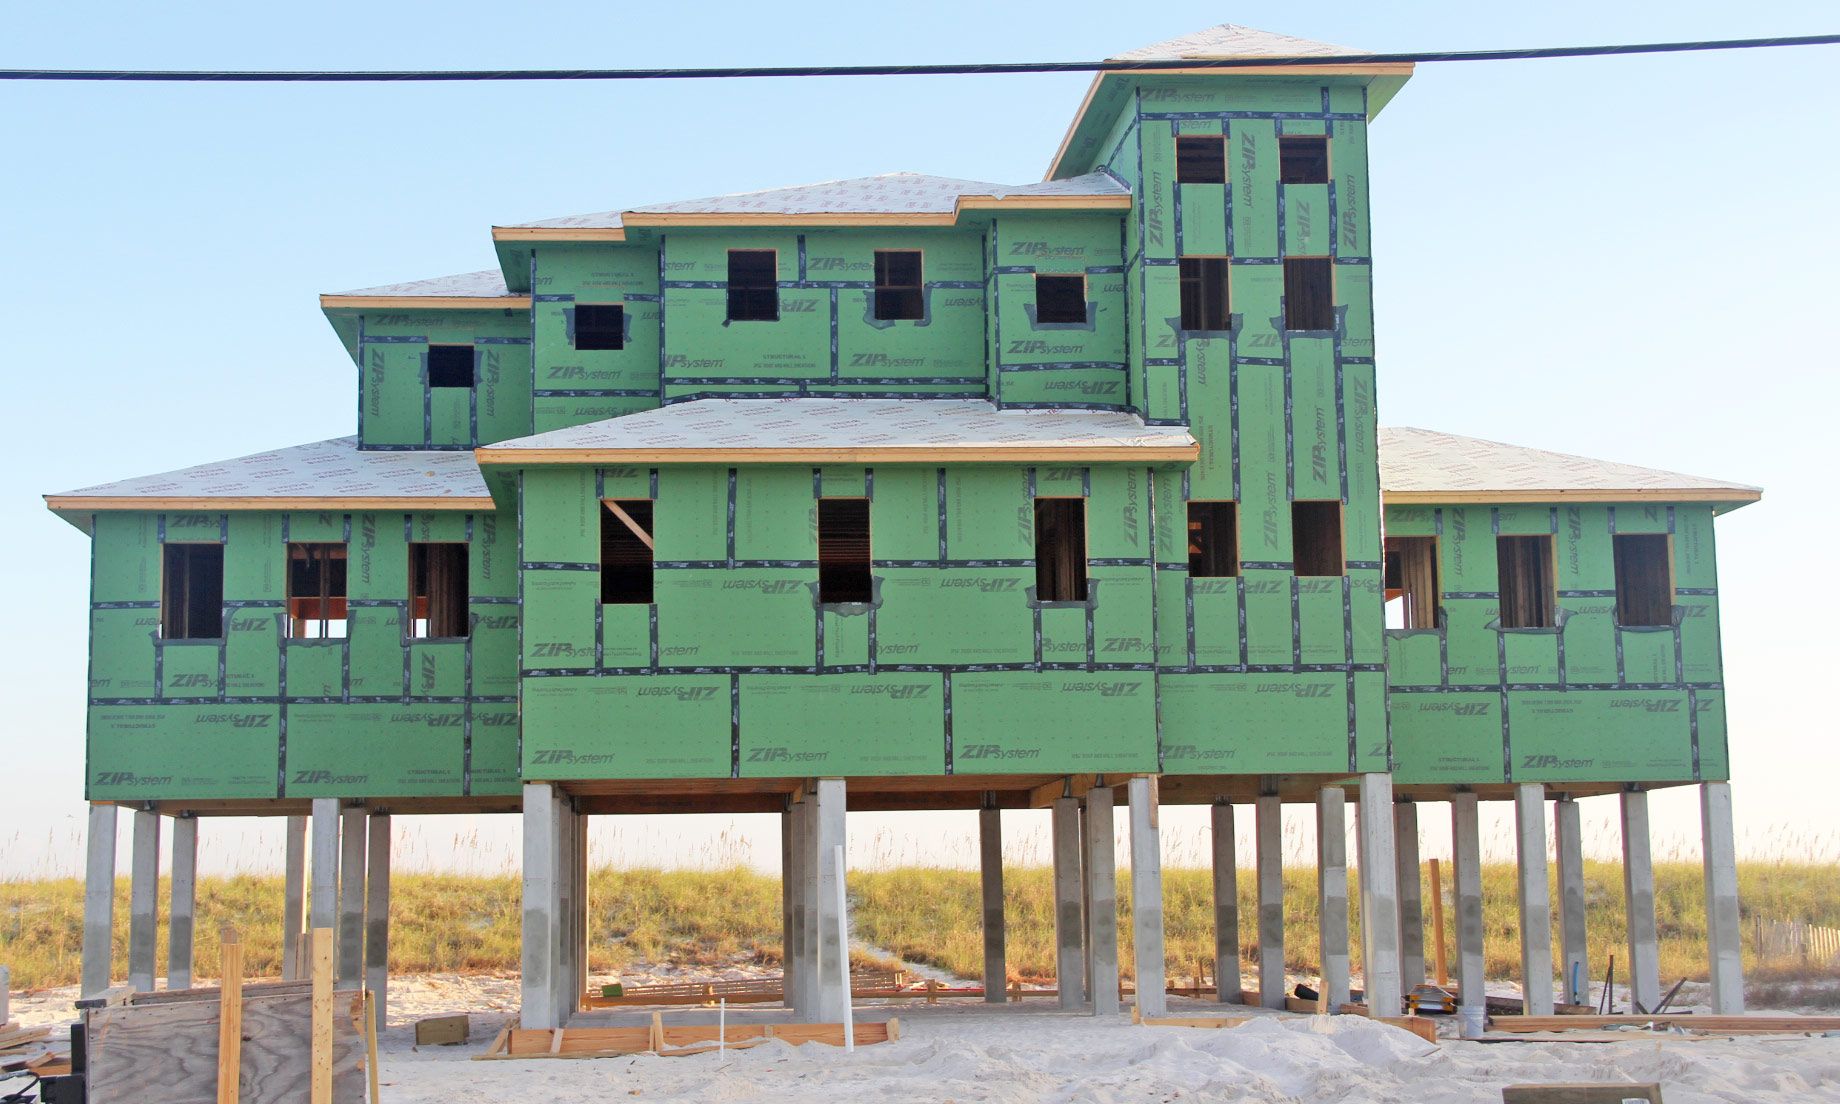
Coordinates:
916	492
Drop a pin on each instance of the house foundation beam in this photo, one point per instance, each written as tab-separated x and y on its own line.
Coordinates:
1102	901
833	993
1411	895
1069	923
377	916
352	843
1269	830
1644	968
990	860
323	905
1147	898
1466	856
1379	898
144	902
184	909
1226	905
1723	933
1535	898
1332	894
99	901
541	937
1574	960
294	897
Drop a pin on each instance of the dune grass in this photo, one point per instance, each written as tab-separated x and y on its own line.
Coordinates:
449	923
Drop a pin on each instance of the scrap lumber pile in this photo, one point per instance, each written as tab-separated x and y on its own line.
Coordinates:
14	1037
671	1042
238	1044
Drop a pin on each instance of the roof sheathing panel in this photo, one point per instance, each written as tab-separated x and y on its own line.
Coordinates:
1425	466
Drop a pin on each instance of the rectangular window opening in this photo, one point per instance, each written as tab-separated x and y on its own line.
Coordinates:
1644	580
450	366
1525	564
1303	159
1411	583
316	591
1201	159
899	291
753	285
626	551
438	591
1204	293
1309	294
1060	550
192	593
1060	299
843	551
600	326
1213	540
1316	538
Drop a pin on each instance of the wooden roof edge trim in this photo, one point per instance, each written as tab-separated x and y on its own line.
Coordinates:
424	302
558	233
1626	494
843	455
87	503
1367	69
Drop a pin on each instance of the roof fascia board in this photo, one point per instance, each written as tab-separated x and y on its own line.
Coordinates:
638	220
424	302
149	503
559	233
1735	495
996	454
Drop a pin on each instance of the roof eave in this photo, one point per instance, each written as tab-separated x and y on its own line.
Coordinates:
85	504
1730	498
1388	77
424	302
851	454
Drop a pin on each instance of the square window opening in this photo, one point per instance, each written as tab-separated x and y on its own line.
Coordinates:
1309	294
1303	159
438	591
450	366
1411	583
192	592
1213	540
1525	566
1201	160
1060	550
1060	299
753	285
316	591
1644	580
899	290
1316	538
626	552
1205	303
599	326
843	551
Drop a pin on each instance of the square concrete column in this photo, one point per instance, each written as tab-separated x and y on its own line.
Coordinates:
541	938
179	937
1332	894
144	902
1644	966
1147	898
352	843
990	858
1269	832
1723	933
1226	906
294	897
584	914
377	916
809	879
800	875
1535	898
1379	898
1069	923
99	901
1574	962
786	967
323	905
1466	872
567	916
1411	895
833	993
1086	906
1102	902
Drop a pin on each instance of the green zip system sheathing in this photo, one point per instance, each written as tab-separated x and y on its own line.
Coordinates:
256	713
1587	700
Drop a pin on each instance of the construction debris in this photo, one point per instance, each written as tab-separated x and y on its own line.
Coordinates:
672	1042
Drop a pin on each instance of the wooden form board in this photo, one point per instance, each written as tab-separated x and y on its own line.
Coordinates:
1717	1025
602	1042
1582	1092
1418	1025
168	1053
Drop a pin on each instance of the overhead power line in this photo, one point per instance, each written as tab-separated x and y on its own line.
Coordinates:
330	76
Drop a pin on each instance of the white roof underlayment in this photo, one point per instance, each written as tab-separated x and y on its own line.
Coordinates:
323	469
738	425
1230	40
1423	461
488	284
888	194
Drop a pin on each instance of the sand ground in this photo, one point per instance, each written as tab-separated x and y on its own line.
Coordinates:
967	1051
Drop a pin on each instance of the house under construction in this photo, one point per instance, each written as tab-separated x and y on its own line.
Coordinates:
916	493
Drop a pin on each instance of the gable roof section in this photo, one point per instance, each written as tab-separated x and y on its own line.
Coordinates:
329	475
890	197
1424	466
801	430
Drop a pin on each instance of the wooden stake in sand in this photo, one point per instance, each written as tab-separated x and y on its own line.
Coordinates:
230	1018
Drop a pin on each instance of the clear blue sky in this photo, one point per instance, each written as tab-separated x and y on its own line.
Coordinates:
1628	258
